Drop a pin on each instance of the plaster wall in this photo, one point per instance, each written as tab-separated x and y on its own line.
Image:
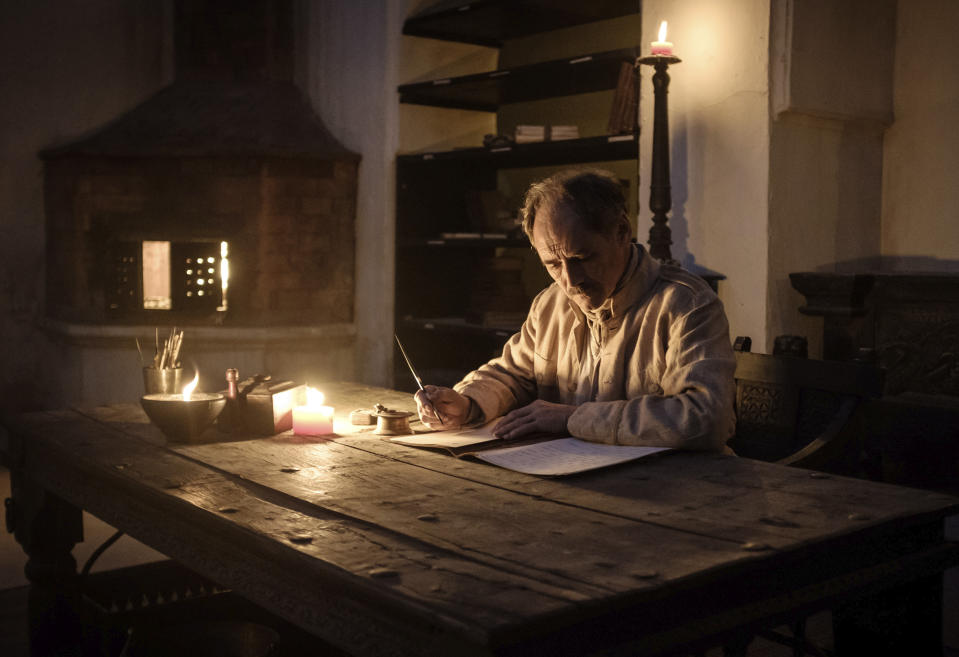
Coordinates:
920	201
825	179
351	80
719	144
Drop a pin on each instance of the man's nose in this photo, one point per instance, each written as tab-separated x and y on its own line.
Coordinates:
573	273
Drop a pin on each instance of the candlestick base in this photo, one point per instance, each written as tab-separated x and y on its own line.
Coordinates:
653	60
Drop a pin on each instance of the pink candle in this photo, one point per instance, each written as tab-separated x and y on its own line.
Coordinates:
314	419
661	46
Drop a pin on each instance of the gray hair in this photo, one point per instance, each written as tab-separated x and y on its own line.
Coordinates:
595	196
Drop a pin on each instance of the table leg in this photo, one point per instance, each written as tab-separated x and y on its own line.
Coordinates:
905	620
47	528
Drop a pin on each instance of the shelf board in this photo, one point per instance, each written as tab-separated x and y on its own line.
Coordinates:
569	151
487	91
464	242
457	325
491	22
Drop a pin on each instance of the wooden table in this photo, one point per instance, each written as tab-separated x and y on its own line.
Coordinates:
389	550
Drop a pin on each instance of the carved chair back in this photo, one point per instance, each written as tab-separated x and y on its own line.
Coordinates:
799	411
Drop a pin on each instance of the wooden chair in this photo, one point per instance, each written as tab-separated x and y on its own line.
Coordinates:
801	412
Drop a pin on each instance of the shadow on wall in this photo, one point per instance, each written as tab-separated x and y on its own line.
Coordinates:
678	223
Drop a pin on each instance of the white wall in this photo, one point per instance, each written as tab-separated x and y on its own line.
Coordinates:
719	145
352	79
920	202
831	82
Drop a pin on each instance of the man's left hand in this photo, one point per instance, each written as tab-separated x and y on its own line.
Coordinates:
536	418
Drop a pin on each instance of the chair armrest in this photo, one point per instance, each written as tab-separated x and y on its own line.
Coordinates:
828	446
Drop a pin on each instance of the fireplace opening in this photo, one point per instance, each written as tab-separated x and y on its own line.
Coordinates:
189	277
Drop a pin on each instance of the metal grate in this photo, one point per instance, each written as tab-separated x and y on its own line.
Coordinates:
195	276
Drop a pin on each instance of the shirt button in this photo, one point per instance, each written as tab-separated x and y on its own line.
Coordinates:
572	386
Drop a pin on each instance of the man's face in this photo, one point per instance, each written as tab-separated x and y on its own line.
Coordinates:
586	264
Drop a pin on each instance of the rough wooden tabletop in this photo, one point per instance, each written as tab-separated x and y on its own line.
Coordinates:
430	553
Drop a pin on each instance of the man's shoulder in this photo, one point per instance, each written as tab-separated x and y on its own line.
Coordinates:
676	280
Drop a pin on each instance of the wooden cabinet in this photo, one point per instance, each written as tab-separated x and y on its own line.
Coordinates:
465	273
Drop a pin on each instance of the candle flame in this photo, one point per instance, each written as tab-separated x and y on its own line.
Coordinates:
314	397
190	387
662	31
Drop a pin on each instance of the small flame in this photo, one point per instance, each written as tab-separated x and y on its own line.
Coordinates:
662	31
314	397
190	387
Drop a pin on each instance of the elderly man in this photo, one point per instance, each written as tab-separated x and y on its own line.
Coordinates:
620	349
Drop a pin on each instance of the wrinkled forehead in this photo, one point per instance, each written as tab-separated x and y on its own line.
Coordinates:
559	230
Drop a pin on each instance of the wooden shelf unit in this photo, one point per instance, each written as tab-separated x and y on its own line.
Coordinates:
442	254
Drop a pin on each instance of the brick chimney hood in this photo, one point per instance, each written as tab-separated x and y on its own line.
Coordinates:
222	199
225	117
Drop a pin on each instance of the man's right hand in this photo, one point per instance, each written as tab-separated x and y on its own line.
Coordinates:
453	407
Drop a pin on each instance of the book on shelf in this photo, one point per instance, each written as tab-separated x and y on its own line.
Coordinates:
622	115
543	455
563	132
528	134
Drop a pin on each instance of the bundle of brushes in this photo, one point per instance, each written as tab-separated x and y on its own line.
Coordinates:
169	356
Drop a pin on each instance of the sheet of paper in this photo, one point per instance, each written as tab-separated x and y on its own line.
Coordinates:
563	456
452	439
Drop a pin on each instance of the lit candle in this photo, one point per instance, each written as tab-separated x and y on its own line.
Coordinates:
314	419
661	46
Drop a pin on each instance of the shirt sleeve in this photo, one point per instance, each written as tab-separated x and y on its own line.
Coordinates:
695	409
508	381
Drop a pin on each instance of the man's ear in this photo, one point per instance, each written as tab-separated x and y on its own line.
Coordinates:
624	231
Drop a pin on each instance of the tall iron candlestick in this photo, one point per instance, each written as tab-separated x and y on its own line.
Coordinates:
660	198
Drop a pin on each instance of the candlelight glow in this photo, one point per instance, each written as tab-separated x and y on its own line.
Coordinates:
190	387
224	273
314	397
662	31
313	419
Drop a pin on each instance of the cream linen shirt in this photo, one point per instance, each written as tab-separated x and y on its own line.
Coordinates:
652	366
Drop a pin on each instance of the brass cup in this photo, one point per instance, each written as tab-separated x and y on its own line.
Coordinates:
162	381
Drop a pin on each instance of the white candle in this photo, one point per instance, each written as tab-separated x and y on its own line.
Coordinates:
661	46
314	419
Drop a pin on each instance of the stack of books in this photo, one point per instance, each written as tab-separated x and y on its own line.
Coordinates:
526	134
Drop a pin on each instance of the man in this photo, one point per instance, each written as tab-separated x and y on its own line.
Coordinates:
620	349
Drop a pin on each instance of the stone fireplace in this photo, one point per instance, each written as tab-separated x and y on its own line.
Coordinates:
221	205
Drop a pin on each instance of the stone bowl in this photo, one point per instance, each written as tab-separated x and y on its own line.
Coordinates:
182	420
